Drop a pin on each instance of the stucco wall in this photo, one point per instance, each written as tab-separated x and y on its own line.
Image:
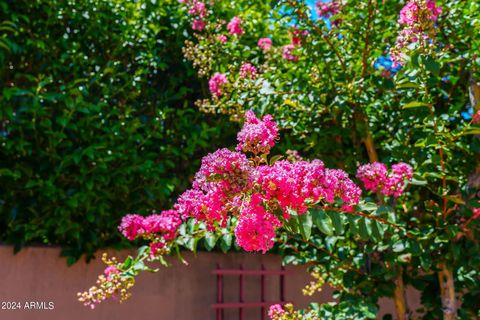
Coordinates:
177	293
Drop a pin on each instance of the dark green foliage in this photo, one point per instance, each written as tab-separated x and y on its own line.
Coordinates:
94	119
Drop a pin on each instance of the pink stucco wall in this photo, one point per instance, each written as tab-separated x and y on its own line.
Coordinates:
38	274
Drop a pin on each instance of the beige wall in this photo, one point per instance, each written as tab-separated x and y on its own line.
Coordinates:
176	293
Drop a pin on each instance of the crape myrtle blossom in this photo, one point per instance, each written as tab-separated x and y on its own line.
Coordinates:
326	9
209	207
275	311
476	213
255	230
132	226
297	35
265	44
198	24
110	284
198	12
372	175
247	70
258	194
227	169
255	196
476	117
338	185
376	178
217	83
418	18
197	8
110	271
411	13
234	27
257	136
166	223
222	38
287	52
293	185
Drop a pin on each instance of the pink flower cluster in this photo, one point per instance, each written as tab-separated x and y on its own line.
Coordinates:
476	117
297	36
198	24
257	136
225	169
265	44
197	8
247	70
255	230
222	38
327	9
476	213
234	27
259	195
206	206
217	83
227	183
287	52
297	40
110	271
289	185
376	178
275	311
418	16
166	223
198	11
411	12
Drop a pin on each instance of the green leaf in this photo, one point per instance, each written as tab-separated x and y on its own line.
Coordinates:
415	104
292	225
408	85
353	223
431	65
367	206
364	229
226	242
471	131
305	225
127	263
378	230
141	251
398	246
418	182
338	222
139	266
323	222
210	240
275	159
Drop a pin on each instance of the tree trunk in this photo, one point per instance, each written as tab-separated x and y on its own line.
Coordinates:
399	297
447	291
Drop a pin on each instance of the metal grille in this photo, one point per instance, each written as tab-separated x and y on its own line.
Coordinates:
241	273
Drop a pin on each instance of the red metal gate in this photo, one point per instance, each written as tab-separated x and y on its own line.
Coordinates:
241	304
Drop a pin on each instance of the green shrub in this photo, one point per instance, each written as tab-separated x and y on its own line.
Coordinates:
94	119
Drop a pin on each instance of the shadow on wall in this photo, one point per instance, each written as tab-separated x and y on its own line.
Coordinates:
177	293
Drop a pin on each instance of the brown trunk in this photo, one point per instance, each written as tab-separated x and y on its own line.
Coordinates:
399	297
372	153
474	92
447	291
